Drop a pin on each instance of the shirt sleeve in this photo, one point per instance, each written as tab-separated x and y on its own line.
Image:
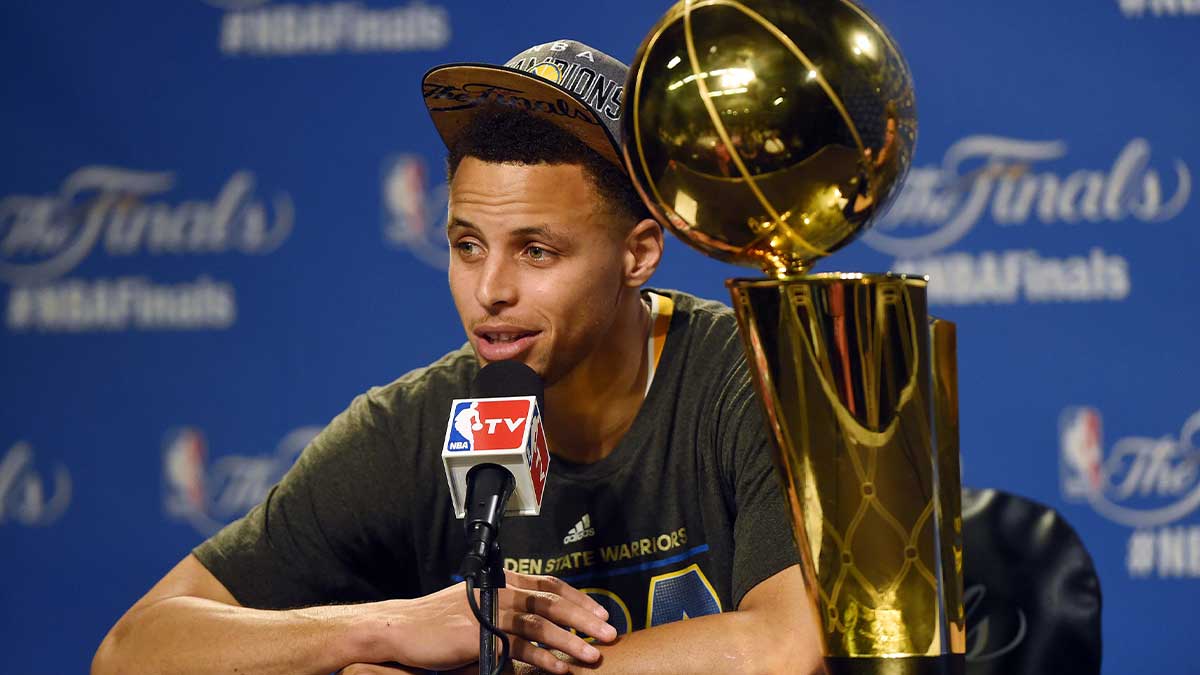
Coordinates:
764	543
319	536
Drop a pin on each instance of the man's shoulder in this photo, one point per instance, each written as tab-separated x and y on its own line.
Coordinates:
703	356
695	309
690	304
708	324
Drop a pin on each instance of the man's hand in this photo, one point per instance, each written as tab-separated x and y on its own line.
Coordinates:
439	632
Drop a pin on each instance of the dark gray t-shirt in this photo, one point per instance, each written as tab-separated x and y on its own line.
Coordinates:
680	520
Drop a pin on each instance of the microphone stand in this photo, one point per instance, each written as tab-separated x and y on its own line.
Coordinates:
488	488
489	580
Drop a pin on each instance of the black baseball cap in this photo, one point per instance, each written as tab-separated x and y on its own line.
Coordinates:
576	87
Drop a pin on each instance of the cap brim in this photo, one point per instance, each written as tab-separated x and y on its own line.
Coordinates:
455	91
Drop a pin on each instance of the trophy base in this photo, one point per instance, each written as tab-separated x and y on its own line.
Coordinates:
950	664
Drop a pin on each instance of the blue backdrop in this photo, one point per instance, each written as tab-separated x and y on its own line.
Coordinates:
219	221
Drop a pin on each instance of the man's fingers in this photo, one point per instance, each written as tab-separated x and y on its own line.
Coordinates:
559	587
549	584
537	657
563	612
545	632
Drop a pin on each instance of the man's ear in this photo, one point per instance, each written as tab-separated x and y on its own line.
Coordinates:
643	252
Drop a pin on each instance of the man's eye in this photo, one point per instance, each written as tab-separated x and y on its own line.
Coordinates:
537	253
467	247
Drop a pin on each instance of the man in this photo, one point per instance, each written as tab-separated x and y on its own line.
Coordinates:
661	503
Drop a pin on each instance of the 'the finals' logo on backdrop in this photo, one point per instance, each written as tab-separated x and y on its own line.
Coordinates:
414	212
1147	483
1138	9
258	28
209	494
1002	181
30	495
108	211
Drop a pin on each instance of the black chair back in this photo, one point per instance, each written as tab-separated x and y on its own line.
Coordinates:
1031	594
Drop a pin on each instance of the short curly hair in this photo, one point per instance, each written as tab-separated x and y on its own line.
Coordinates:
502	134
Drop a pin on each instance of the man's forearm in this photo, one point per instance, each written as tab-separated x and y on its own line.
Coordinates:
733	642
185	635
773	631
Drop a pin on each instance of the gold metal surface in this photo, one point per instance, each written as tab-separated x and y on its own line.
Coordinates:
842	363
944	359
768	133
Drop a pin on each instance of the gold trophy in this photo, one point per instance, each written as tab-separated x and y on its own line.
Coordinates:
770	133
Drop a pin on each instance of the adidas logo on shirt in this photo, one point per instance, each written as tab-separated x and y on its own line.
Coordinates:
582	530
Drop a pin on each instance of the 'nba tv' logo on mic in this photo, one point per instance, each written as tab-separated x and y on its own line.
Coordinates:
488	425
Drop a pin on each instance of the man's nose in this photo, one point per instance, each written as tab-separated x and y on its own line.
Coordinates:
497	283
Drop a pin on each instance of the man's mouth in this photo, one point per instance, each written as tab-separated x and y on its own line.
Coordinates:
502	338
503	343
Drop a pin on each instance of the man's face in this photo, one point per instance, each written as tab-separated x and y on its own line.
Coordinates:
536	263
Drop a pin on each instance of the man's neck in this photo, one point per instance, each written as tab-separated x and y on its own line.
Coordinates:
589	411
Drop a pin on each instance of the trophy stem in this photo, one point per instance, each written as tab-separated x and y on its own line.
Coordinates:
861	402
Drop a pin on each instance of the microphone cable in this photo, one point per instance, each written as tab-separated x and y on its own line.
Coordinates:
504	660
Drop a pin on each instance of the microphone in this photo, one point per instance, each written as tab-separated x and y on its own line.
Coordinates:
495	454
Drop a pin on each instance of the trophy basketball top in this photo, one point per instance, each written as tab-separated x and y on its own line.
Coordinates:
768	133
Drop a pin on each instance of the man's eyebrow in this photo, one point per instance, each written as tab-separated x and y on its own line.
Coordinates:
544	233
455	222
528	232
